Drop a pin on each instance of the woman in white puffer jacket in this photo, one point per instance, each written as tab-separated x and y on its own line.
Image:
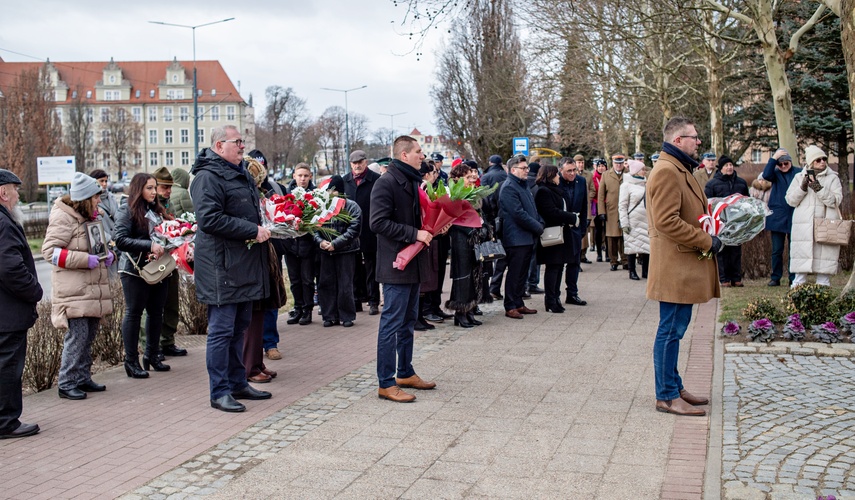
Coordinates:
818	199
632	210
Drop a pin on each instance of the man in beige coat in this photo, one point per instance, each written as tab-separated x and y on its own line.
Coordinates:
707	169
678	279
607	206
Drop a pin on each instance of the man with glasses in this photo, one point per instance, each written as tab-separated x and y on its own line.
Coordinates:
229	275
521	226
576	195
780	172
678	278
358	184
19	294
707	170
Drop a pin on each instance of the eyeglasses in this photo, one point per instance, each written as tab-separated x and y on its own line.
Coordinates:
693	137
822	159
521	168
238	142
571	170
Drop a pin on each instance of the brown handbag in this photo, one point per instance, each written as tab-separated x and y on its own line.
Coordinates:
831	231
157	270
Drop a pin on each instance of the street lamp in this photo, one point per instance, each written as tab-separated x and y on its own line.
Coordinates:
195	89
346	119
392	126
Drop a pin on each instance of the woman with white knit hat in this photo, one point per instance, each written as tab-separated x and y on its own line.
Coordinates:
632	210
815	193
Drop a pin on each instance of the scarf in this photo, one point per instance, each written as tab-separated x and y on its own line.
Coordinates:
687	161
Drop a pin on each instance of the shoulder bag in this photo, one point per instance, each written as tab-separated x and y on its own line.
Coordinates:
553	235
157	270
831	231
489	250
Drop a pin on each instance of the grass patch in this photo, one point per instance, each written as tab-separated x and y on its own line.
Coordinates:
734	300
36	244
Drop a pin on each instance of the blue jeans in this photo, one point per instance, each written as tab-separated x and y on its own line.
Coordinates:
673	321
224	354
778	255
395	335
271	332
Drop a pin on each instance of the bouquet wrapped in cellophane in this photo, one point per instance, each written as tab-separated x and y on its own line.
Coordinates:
302	212
176	236
735	219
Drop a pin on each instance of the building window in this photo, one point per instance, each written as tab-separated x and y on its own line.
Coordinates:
152	114
152	136
167	136
112	95
105	160
201	113
105	137
137	113
90	115
175	93
230	113
137	159
105	115
185	136
59	114
756	155
201	136
167	113
89	94
215	113
152	159
121	114
183	113
90	139
169	159
185	158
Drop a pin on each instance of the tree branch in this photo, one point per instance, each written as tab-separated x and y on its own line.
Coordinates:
794	41
730	12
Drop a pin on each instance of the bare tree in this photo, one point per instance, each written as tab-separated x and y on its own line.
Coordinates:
281	129
120	138
78	130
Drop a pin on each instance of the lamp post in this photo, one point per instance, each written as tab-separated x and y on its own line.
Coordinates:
392	126
346	119
195	88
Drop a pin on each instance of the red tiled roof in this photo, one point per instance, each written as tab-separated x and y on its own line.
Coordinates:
142	75
415	132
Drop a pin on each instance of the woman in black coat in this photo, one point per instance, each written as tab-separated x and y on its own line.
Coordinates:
723	184
134	241
465	271
549	200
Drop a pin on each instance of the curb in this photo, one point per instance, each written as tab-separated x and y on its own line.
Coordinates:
794	348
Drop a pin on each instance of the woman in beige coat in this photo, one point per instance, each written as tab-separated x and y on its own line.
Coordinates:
813	199
80	282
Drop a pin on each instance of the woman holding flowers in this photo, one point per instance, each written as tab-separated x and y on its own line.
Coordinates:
133	239
81	289
815	193
465	272
300	256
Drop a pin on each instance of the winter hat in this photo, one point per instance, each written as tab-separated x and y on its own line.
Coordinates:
722	161
457	161
7	177
495	160
358	156
813	153
163	177
256	170
533	168
258	155
635	167
337	184
84	187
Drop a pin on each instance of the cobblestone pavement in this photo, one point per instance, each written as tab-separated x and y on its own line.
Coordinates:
789	427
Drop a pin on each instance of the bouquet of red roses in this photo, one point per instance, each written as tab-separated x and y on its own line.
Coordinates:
176	236
301	212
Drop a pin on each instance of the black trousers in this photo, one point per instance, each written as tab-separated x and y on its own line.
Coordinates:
519	260
301	274
600	236
552	284
365	287
140	296
335	286
730	264
13	351
571	278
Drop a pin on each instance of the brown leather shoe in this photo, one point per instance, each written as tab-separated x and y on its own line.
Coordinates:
415	382
395	394
679	407
693	400
273	353
513	313
526	310
269	373
261	378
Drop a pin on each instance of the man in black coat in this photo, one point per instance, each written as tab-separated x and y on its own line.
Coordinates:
576	193
396	220
19	293
495	174
229	276
358	184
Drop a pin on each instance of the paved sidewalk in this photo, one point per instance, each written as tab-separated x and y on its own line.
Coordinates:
553	406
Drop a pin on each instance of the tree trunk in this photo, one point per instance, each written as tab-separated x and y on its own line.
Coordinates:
715	99
847	36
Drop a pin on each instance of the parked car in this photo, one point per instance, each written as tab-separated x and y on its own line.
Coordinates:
117	187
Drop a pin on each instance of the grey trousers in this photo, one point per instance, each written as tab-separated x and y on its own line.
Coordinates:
76	365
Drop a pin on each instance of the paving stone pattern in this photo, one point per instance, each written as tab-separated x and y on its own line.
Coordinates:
789	427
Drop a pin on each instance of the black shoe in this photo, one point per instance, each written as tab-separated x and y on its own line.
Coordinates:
433	318
328	323
575	300
584	260
250	392
133	368
23	430
423	326
477	311
613	268
526	294
774	283
91	386
625	267
154	363
496	296
599	259
228	403
73	393
461	321
470	316
347	324
536	290
373	310
160	356
358	307
557	308
305	318
442	314
173	350
633	276
293	317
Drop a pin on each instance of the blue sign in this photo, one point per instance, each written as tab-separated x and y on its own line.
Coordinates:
521	146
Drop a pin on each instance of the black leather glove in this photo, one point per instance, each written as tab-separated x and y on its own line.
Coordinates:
601	217
805	182
717	245
575	221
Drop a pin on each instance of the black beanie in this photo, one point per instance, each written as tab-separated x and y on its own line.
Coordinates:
723	160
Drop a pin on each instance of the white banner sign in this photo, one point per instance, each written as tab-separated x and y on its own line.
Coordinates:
55	169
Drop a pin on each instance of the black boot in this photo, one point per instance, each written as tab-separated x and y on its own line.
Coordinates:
133	368
631	261
306	317
645	260
470	316
461	320
154	362
294	317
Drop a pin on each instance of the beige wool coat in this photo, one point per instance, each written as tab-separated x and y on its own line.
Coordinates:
77	291
675	200
608	198
807	256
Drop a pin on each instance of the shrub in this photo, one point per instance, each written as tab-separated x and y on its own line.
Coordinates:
763	308
845	303
191	313
812	302
108	346
44	351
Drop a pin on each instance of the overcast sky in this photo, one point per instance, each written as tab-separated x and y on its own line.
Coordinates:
303	44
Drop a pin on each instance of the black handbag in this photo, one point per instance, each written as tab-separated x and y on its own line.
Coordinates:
489	250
